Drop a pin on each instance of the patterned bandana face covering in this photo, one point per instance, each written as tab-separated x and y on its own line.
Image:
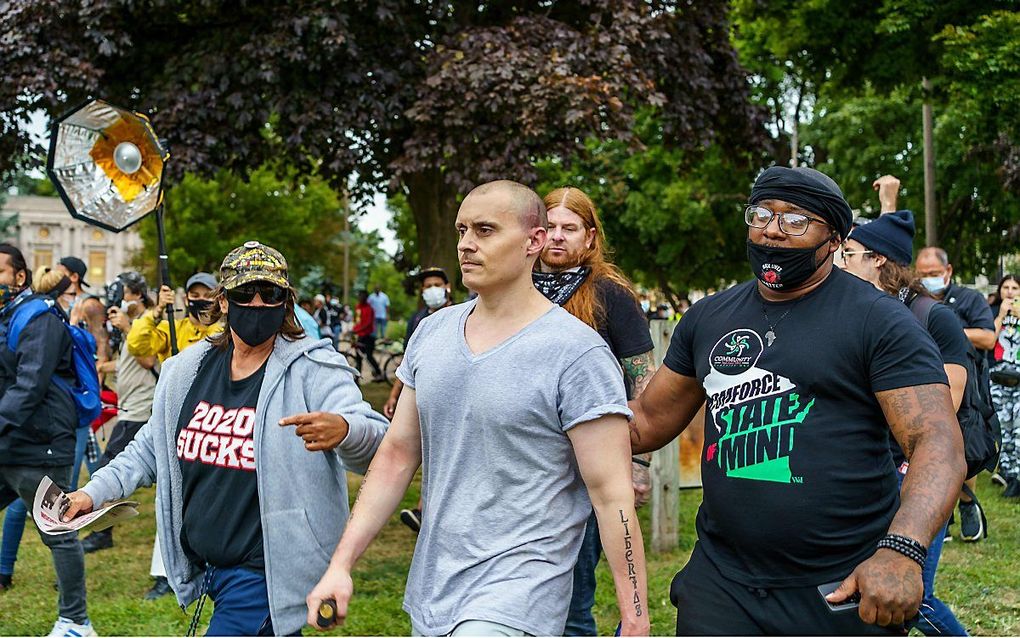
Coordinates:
7	293
558	287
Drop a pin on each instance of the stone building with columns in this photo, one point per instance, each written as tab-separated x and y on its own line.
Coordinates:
46	232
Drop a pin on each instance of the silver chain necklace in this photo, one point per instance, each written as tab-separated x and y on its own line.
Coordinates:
770	336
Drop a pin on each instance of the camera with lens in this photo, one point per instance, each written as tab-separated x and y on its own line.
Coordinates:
115	299
114	295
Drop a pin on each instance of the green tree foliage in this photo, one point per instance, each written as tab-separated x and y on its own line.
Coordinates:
859	139
206	218
672	223
8	223
982	81
429	98
16	184
862	63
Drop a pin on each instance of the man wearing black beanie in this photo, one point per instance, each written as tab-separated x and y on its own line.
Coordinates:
880	253
801	369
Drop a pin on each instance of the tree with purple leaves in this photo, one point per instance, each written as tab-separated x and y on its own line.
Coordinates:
427	98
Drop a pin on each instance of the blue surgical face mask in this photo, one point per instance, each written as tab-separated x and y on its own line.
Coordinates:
935	285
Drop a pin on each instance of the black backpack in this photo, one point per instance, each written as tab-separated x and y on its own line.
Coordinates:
982	434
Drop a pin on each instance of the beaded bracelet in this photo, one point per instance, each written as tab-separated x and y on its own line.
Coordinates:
907	546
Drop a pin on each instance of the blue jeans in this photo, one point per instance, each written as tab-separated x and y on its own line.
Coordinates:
935	618
81	443
580	621
241	602
380	328
14	527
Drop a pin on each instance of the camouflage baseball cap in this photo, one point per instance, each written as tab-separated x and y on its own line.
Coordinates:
253	261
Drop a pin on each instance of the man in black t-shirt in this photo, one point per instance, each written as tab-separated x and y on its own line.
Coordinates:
970	306
574	273
975	314
880	253
801	370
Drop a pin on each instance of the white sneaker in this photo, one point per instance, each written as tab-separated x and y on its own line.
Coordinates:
65	627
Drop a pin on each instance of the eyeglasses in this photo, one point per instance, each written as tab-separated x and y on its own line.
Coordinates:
794	224
270	294
851	253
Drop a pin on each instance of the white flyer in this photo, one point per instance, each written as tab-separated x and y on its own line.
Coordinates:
51	502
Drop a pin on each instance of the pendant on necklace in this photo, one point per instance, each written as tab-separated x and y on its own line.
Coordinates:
770	337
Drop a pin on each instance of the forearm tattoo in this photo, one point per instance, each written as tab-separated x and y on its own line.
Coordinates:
357	499
628	555
924	425
639	369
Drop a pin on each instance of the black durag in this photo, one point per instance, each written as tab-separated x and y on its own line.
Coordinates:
811	190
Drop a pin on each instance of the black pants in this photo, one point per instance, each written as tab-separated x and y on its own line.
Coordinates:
367	347
709	604
68	558
123	433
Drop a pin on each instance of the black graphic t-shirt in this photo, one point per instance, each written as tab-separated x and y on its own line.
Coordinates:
624	326
216	449
799	484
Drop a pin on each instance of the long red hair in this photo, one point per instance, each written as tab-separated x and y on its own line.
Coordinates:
585	303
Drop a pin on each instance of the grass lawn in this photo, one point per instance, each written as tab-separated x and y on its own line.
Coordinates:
981	581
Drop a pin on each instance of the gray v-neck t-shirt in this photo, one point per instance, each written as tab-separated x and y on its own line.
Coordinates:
504	504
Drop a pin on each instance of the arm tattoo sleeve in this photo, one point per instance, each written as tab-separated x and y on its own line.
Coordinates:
639	369
922	420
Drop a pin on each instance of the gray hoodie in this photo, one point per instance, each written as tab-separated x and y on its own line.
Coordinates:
302	495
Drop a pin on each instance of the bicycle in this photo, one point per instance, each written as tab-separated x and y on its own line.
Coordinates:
394	352
388	353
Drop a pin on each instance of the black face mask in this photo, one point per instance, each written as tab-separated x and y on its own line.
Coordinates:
197	306
255	324
782	268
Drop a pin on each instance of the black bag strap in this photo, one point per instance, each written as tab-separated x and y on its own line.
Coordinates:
921	306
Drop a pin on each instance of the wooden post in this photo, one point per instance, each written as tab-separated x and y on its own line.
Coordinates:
666	498
665	470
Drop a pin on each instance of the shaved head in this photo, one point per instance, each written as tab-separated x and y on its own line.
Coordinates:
519	199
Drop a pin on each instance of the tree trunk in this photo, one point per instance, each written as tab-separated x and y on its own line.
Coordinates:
434	205
930	203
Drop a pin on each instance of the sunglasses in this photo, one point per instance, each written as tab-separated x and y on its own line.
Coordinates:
270	294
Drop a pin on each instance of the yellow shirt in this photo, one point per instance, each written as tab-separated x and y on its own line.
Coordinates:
148	338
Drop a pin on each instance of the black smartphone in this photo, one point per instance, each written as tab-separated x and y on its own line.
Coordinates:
850	603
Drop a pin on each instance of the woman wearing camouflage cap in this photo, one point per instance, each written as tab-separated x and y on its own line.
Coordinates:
249	507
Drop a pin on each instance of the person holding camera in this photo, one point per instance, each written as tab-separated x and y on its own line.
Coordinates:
150	335
136	383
